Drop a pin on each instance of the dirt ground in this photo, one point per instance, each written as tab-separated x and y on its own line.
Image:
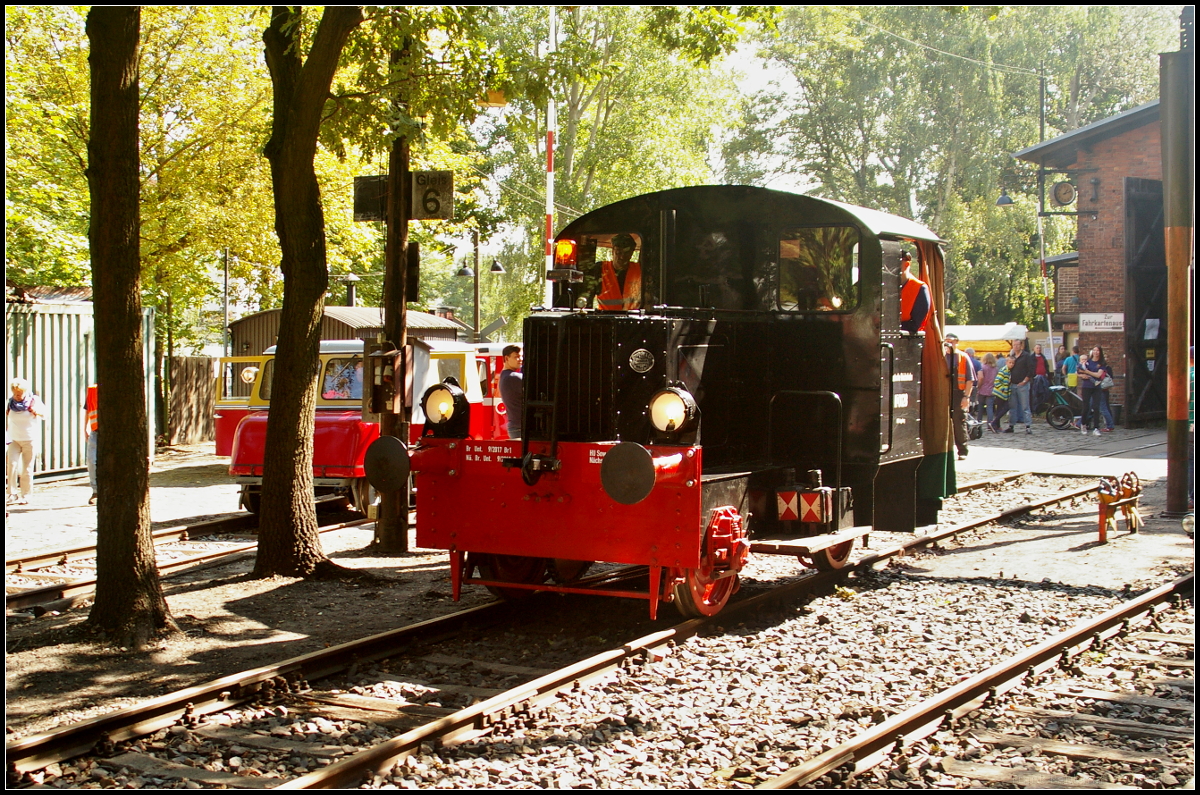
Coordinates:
57	673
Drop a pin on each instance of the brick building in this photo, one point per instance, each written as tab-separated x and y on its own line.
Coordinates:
1112	293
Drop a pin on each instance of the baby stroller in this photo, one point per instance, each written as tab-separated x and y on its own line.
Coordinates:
1063	407
975	428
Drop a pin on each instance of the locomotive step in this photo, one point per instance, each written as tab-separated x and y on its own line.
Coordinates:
808	545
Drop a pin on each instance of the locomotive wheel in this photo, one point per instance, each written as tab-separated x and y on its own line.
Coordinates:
704	591
512	568
1060	417
564	571
833	558
701	594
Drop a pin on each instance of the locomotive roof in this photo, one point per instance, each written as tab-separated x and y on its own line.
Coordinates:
759	202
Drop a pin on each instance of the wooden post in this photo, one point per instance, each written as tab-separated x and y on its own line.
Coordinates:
391	526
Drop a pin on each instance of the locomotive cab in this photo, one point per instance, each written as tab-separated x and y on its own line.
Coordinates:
722	372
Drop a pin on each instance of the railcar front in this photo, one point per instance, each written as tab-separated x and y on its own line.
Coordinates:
722	371
342	430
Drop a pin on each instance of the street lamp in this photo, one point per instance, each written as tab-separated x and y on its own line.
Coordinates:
473	273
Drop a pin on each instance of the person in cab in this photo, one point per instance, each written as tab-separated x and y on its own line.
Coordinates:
621	278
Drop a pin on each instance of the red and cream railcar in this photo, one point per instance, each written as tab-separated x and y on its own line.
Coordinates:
341	434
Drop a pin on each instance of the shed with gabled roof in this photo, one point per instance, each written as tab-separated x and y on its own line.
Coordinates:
253	334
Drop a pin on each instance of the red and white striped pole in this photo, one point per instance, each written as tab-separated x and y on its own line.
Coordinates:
551	125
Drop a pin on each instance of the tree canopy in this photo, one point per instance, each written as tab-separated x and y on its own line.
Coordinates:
917	109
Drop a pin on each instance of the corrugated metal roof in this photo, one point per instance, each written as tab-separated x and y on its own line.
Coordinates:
18	294
367	317
1061	151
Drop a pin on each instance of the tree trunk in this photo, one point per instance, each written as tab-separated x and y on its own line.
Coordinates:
129	605
288	543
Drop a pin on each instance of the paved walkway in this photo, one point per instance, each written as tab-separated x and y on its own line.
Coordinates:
185	482
1142	450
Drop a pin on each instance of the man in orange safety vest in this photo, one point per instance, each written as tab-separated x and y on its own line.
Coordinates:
620	279
915	306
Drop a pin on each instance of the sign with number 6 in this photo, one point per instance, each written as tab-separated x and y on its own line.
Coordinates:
432	195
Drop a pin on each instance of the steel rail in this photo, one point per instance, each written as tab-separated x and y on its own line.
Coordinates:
478	717
64	595
350	771
76	739
999	480
61	557
939	535
37	751
236	521
926	717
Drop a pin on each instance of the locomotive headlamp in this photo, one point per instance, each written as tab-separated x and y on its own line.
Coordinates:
247	374
673	409
439	405
566	254
447	412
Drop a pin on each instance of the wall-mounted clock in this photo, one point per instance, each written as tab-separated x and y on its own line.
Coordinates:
1063	193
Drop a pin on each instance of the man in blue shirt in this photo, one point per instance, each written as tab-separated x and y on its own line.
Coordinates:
512	389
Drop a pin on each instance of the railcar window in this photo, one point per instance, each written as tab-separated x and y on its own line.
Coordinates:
450	366
265	380
818	269
612	272
713	265
343	379
232	383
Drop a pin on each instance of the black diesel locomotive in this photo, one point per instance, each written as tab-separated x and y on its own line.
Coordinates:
722	373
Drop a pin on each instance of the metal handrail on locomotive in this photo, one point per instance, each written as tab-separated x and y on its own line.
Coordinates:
722	373
344	425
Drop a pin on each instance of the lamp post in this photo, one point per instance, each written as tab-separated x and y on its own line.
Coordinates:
468	273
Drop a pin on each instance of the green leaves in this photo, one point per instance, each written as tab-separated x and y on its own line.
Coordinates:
917	109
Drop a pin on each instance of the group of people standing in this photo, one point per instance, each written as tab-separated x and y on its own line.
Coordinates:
993	387
1014	384
1092	376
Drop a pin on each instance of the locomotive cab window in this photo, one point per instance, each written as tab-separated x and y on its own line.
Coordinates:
612	271
450	367
818	269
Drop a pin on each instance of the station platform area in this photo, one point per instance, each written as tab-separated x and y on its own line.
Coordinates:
1069	452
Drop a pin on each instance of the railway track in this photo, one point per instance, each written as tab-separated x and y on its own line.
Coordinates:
63	578
938	742
285	709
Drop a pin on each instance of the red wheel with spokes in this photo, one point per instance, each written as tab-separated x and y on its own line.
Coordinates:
511	568
702	594
706	589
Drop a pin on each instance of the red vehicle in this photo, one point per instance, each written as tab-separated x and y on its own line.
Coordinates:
495	414
341	435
